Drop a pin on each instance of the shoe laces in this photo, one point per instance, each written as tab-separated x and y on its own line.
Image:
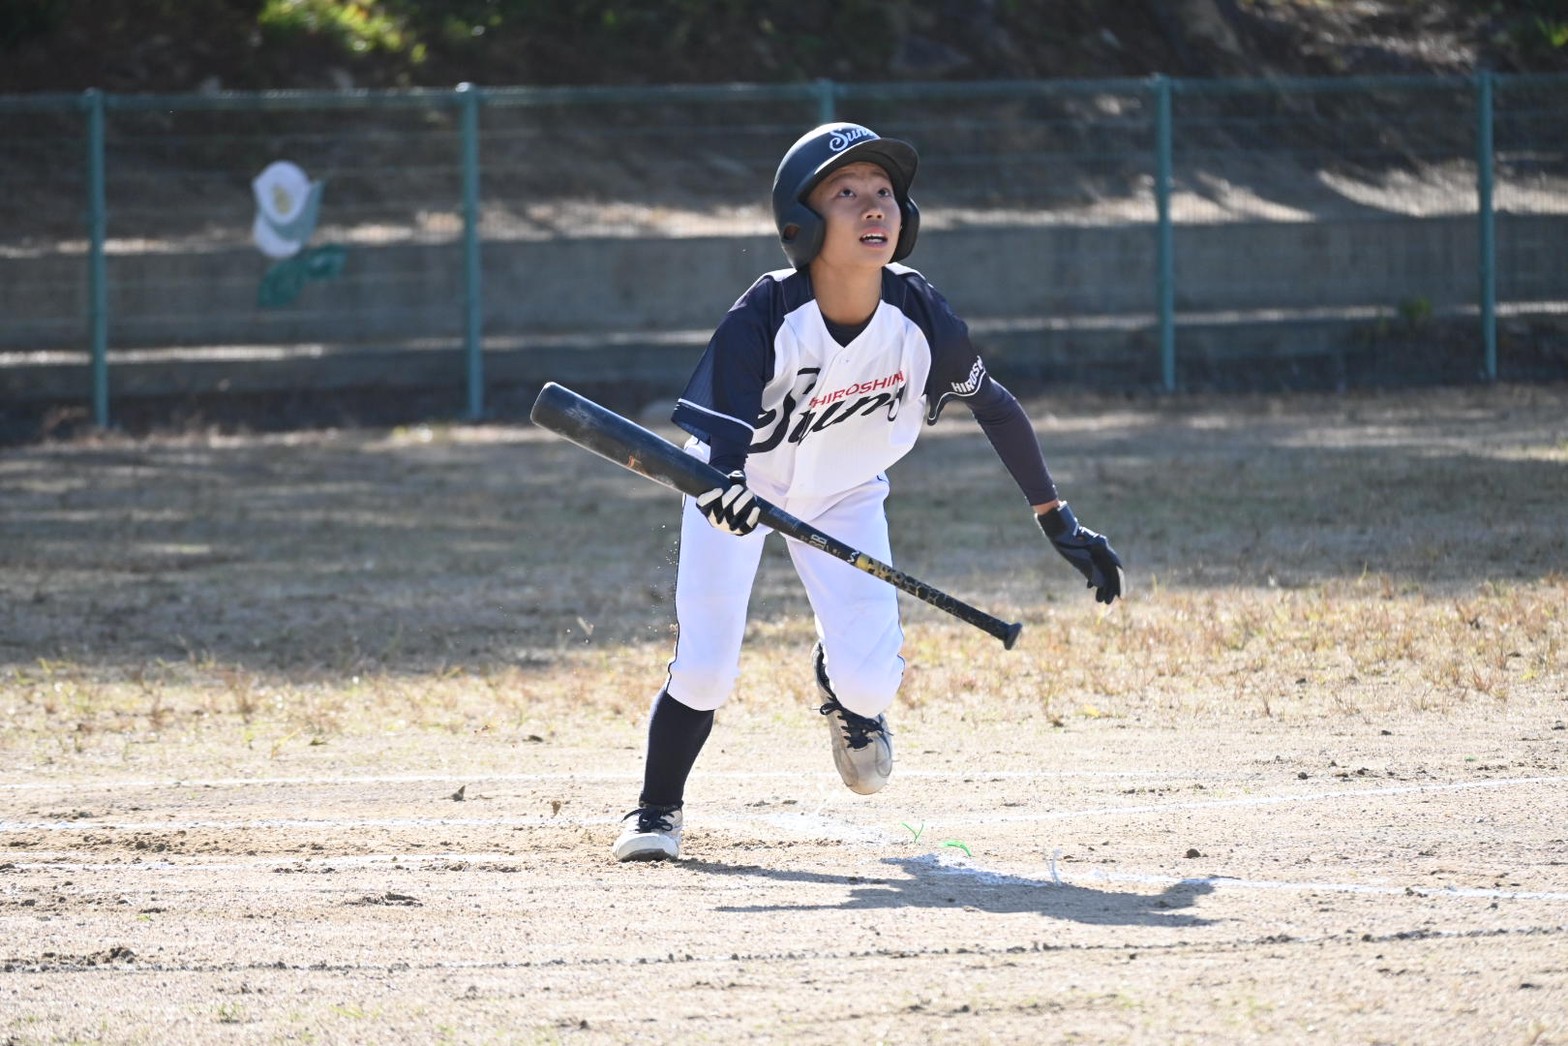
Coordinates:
858	729
649	820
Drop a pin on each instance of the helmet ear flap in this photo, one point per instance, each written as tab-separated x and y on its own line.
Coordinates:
908	229
801	231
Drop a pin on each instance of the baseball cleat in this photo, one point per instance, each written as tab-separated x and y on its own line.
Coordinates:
862	747
649	835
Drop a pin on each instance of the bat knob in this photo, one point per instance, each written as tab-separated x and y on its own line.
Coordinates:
1011	635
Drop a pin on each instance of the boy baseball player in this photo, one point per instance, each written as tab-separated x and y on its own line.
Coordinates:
820	377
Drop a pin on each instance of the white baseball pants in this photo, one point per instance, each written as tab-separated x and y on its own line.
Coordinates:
856	614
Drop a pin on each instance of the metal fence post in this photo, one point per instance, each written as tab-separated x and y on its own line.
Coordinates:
1488	220
97	270
468	97
825	103
1165	280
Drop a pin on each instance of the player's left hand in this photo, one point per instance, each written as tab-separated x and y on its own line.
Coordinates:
1089	552
731	508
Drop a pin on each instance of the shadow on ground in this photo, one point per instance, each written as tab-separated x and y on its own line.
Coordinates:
927	882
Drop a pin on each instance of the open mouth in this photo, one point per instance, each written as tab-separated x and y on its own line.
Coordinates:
876	239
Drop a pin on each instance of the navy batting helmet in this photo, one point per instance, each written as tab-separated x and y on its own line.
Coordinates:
820	152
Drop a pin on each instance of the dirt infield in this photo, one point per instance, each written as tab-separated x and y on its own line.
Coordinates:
1099	884
323	738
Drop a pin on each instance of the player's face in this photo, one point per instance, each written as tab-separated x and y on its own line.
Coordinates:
861	215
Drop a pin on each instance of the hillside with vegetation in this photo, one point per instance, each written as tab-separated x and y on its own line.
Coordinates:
209	45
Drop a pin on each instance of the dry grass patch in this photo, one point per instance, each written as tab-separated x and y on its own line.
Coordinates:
1306	556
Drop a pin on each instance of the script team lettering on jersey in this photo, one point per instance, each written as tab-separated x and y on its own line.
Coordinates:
861	399
817	417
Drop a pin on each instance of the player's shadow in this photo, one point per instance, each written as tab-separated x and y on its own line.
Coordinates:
928	882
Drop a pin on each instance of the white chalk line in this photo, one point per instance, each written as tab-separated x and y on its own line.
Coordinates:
337	823
452	779
963	819
285	862
803	824
1258	800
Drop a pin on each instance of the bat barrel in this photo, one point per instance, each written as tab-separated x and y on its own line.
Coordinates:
617	439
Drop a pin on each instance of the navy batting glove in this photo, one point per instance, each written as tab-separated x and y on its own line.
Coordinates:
1094	557
731	508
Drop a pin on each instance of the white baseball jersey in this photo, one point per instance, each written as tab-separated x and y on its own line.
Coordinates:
821	418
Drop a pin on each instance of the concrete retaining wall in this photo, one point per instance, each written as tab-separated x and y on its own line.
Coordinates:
397	310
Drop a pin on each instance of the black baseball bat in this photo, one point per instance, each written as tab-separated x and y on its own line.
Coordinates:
607	434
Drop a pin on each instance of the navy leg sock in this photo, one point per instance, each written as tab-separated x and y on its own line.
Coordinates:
676	734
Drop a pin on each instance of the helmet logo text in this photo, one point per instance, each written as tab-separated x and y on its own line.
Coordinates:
843	137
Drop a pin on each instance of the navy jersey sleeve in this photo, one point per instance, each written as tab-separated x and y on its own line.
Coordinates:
1006	425
956	367
957	371
724	396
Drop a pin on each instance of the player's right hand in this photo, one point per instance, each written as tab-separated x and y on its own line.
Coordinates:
731	507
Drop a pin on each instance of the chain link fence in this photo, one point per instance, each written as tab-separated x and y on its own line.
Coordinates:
1162	234
1531	161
